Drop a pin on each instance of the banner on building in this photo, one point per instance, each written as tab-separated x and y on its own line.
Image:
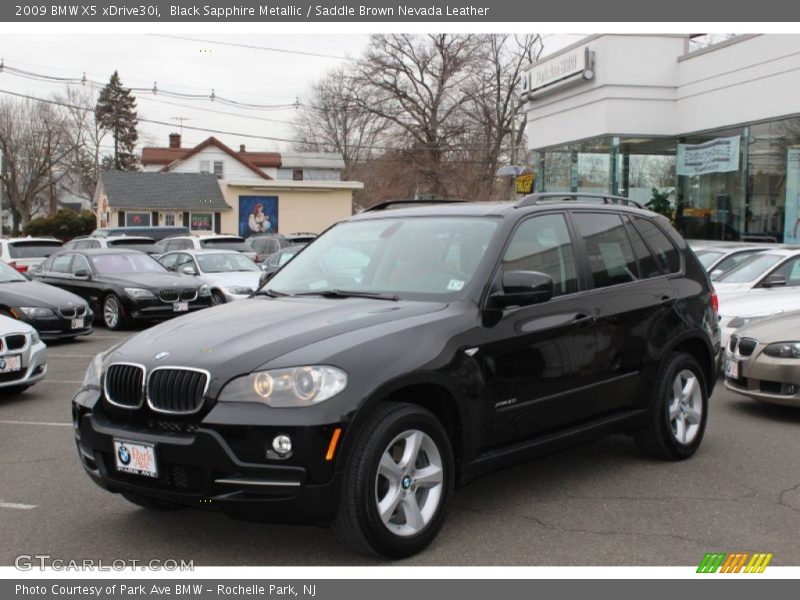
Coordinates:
524	183
720	155
258	214
792	221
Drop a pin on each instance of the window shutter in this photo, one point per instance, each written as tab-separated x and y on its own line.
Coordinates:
186	221
154	218
121	218
217	222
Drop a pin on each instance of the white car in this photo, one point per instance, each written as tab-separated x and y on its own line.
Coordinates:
129	242
23	356
229	274
24	253
738	310
776	268
207	242
718	259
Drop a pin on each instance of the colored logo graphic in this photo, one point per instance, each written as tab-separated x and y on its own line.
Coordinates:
124	455
736	562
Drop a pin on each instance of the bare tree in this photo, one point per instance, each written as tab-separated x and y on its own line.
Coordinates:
332	120
34	143
420	84
85	136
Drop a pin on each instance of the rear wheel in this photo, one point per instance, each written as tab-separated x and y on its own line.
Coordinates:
397	483
113	314
678	410
151	503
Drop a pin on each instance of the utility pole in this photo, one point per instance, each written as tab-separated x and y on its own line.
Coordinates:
2	182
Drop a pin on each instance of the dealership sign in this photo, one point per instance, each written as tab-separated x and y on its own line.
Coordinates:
720	155
575	65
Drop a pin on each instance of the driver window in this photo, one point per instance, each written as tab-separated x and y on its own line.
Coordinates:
543	244
80	263
169	261
790	271
61	263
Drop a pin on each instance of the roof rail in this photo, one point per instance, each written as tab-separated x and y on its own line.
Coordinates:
543	197
389	203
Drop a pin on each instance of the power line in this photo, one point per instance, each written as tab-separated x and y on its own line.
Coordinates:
251	47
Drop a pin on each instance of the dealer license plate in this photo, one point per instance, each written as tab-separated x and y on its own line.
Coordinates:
135	458
180	307
732	369
77	323
9	364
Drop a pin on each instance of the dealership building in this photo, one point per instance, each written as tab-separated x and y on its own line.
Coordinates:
715	128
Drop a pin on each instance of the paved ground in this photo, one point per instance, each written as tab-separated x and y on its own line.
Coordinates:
602	504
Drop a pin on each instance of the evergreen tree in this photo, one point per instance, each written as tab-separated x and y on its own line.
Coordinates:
116	112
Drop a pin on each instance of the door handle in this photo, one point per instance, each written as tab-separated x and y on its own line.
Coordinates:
581	319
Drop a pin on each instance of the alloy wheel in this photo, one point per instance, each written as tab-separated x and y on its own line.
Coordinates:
409	483
111	312
686	406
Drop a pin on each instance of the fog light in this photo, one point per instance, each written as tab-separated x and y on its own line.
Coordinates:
282	444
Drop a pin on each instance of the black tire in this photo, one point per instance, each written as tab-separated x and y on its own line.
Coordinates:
358	524
217	298
658	439
121	319
151	503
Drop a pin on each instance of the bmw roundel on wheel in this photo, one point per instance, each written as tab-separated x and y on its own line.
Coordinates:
404	352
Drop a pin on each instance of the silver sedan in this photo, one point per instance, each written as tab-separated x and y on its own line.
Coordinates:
23	356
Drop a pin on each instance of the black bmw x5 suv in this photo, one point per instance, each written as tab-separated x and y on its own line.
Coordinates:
407	351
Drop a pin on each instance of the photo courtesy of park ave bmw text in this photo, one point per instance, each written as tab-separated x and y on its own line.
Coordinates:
341	300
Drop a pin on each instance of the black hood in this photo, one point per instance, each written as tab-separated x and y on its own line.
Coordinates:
35	293
237	338
153	280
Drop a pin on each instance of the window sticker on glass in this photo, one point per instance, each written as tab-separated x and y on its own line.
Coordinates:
455	285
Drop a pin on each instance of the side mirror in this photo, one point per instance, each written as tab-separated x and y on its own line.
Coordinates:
522	288
82	274
774	280
188	271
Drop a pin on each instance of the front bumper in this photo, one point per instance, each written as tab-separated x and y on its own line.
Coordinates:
766	378
223	468
60	328
156	310
34	367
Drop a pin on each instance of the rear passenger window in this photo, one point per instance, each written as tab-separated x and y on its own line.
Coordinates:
648	267
543	244
608	248
665	250
61	263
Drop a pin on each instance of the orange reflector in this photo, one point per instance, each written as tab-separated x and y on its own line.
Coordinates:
332	446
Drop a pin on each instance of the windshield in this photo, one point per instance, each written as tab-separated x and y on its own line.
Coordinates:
751	268
9	274
225	263
427	256
33	249
118	264
708	257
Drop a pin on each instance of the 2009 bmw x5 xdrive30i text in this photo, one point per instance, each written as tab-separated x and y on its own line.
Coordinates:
406	351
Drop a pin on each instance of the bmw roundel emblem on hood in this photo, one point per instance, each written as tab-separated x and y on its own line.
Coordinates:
161	356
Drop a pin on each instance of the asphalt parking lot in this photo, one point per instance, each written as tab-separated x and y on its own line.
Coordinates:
601	504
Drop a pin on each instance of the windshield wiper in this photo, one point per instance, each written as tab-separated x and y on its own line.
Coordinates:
336	293
271	293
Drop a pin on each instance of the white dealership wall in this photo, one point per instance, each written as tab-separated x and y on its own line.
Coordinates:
648	85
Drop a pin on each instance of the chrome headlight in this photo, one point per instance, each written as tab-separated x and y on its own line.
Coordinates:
37	312
783	350
287	388
139	293
204	290
238	290
35	339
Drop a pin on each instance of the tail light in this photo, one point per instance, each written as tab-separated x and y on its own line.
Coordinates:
20	268
714	302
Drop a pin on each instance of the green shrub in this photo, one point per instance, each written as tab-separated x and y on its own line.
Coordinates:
64	225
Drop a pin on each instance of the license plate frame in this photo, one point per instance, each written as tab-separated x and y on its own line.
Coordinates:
77	323
733	368
11	363
180	307
141	458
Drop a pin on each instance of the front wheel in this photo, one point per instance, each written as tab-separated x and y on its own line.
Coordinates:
217	298
397	483
678	410
113	314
